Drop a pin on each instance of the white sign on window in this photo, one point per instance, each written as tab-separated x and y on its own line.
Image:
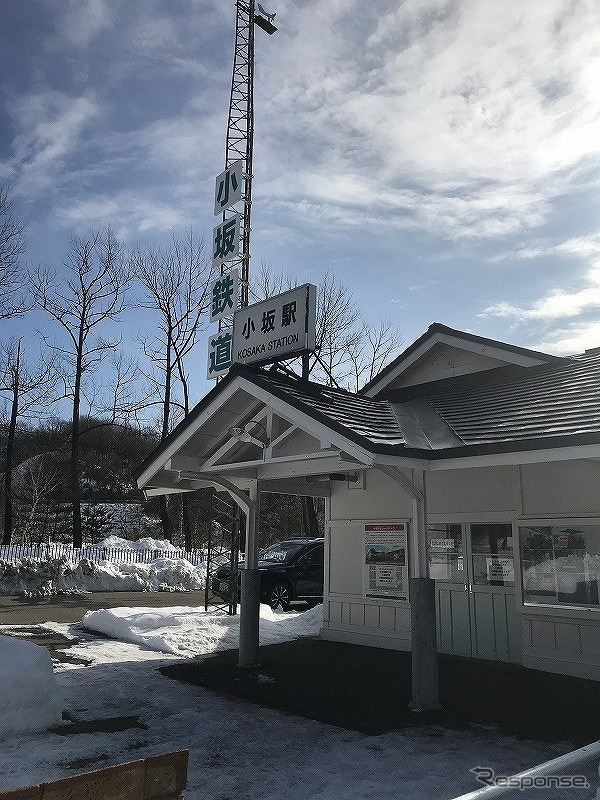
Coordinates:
226	241
386	560
229	187
281	327
223	295
219	353
500	569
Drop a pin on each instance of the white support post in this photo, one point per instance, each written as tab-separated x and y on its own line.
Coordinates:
425	684
250	594
250	576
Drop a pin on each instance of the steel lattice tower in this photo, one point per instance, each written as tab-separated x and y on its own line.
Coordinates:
240	123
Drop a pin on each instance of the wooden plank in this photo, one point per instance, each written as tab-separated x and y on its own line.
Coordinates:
161	777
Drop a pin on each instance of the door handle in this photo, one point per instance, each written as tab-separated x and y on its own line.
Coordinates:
466	589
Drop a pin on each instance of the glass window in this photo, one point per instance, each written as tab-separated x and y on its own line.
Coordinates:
314	557
446	560
561	564
282	552
492	554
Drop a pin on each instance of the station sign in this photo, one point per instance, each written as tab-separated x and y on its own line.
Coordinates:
229	187
281	327
219	353
226	241
223	294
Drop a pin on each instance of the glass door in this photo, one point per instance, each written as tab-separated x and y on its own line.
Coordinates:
447	566
473	569
495	623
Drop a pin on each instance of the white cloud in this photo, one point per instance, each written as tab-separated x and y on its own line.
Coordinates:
78	22
557	304
471	119
51	126
574	338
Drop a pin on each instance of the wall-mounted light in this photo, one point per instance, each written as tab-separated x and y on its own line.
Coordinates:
240	434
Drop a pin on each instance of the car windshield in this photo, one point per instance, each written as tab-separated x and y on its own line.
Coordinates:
281	552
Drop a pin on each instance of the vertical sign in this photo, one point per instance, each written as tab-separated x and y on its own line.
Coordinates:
226	241
223	295
386	560
219	353
228	187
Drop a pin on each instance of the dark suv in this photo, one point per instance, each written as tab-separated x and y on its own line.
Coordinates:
290	570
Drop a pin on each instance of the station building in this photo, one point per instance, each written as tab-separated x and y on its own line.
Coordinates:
468	461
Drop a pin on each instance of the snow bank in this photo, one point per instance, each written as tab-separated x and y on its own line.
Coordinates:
33	578
187	632
30	699
116	543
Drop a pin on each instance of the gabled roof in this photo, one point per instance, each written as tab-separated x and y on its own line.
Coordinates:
492	354
509	409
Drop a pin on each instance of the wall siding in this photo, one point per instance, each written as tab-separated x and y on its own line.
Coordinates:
553	642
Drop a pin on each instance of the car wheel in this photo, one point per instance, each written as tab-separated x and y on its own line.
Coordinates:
279	595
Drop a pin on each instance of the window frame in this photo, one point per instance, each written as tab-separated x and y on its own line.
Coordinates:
551	609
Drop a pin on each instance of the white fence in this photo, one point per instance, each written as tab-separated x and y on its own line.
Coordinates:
45	552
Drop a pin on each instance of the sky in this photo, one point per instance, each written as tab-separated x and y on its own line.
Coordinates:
237	749
439	156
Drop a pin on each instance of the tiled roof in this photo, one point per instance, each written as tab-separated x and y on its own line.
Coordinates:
499	410
373	420
549	405
515	403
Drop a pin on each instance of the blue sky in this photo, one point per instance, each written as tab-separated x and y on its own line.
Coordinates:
440	157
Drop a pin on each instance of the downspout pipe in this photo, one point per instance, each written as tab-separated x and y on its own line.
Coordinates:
425	679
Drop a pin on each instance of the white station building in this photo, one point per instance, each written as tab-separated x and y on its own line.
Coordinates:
467	461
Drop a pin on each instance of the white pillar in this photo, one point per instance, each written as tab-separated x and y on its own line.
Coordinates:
425	684
250	594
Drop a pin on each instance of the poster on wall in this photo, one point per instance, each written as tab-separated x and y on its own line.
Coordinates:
386	560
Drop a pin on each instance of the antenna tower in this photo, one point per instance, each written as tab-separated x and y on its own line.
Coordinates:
240	123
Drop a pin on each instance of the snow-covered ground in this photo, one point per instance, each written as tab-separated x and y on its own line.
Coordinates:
238	749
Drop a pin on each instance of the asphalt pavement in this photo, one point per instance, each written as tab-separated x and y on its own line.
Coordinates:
71	608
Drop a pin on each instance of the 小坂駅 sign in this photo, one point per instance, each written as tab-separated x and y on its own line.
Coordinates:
281	327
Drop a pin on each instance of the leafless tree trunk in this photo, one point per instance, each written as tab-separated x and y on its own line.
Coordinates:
175	283
26	388
12	245
90	298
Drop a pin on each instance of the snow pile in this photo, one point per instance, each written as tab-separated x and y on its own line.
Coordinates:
185	631
116	543
35	578
30	699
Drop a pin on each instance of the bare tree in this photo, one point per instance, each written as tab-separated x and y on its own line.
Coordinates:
12	245
25	387
376	346
89	299
348	352
175	282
